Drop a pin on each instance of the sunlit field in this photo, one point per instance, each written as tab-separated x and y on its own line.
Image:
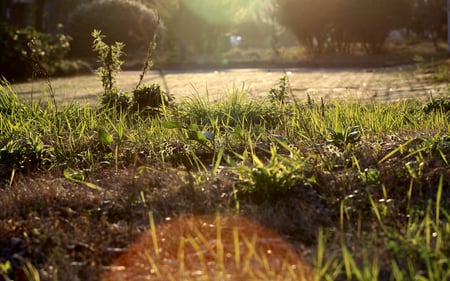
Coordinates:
330	84
360	190
397	75
224	140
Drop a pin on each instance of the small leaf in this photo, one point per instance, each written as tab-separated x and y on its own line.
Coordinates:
104	137
78	177
197	136
73	175
279	138
193	127
171	125
92	185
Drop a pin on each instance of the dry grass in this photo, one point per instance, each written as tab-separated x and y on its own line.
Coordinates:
70	231
209	248
350	205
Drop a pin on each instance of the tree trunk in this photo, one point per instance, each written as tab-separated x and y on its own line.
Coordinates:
39	15
448	27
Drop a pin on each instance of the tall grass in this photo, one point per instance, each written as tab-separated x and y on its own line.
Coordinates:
378	172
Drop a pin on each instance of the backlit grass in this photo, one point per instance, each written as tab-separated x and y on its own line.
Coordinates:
360	189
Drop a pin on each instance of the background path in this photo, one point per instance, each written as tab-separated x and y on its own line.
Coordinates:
386	84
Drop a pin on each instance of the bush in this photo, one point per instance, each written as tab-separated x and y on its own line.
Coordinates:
124	21
117	100
336	25
147	99
309	21
369	22
150	98
429	19
25	50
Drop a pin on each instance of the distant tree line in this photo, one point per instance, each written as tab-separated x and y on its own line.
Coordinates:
321	26
187	27
184	27
429	19
340	25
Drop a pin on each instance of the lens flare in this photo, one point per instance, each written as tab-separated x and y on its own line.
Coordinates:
223	11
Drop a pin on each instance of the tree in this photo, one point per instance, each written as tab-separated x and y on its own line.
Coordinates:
429	19
167	11
120	20
39	14
335	25
202	26
373	20
309	20
56	14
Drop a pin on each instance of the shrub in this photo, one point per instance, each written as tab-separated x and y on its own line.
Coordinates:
150	98
437	105
309	21
25	50
124	21
334	26
370	22
110	57
117	100
279	95
429	19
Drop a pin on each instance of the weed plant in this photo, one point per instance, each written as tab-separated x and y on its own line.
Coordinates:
365	187
144	98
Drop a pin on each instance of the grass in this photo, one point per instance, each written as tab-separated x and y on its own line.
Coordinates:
360	189
209	248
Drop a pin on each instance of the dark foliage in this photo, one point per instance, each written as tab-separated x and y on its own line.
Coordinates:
27	52
429	19
337	25
150	97
124	21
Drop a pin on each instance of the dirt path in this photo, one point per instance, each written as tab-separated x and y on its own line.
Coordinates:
385	84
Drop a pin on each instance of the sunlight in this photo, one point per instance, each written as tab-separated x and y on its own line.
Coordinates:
225	11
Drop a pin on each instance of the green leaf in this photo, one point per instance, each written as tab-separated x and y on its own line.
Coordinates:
78	177
193	127
6	267
171	125
73	175
104	137
197	136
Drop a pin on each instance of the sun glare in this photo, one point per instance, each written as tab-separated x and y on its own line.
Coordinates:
225	11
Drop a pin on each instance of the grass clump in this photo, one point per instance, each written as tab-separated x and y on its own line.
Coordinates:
362	187
144	98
